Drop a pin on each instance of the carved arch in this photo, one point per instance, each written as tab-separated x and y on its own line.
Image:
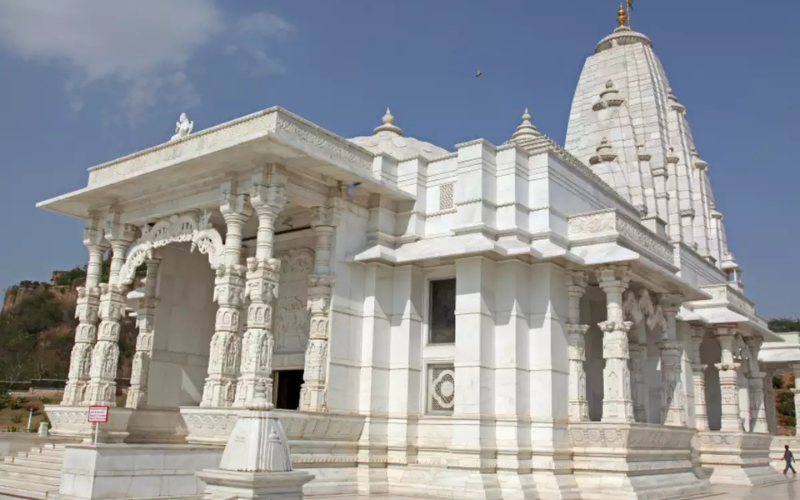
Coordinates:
188	227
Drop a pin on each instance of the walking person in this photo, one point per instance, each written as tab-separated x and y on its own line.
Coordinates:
789	457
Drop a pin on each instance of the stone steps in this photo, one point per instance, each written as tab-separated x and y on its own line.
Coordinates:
20	489
7	470
35	474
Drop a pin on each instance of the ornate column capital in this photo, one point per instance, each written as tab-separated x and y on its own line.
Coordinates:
576	282
670	303
233	205
322	217
725	332
615	326
93	234
270	197
613	278
726	367
117	232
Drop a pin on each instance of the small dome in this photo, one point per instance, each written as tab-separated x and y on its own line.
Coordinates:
622	36
388	139
526	130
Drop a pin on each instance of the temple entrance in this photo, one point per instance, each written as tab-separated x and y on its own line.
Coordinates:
286	392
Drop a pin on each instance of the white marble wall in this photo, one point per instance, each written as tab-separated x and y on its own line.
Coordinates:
184	324
344	350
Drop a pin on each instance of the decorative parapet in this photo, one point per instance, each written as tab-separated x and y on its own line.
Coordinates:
273	121
728	295
612	225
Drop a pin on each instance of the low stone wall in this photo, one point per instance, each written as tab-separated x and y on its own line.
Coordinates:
135	471
630	461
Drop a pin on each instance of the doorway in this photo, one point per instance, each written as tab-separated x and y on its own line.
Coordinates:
287	384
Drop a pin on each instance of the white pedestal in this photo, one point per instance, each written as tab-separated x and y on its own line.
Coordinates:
223	484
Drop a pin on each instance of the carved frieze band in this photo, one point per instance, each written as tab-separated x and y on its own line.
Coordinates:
727	294
614	224
326	145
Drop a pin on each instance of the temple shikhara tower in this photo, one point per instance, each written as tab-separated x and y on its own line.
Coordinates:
519	320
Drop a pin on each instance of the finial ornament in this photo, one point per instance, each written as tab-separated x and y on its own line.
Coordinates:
526	130
621	16
388	124
183	127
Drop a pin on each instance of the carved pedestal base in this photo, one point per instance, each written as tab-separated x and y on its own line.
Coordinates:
72	422
633	461
737	458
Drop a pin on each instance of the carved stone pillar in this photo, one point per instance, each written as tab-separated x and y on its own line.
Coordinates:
578	405
137	394
263	277
755	382
699	380
639	391
617	402
728	380
102	386
769	396
314	391
229	284
672	408
86	312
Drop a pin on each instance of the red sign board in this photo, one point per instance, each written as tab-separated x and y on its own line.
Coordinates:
98	414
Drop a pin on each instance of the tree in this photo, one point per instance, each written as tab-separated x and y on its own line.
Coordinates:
783	325
21	329
74	277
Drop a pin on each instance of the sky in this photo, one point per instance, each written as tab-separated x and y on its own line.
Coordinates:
87	81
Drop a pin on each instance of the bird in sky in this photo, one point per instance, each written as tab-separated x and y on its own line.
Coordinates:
349	190
479	73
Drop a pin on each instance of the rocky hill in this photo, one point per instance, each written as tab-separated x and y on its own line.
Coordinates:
37	328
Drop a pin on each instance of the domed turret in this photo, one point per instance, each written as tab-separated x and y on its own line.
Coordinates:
388	139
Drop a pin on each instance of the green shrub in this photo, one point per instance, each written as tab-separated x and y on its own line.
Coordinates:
44	400
16	418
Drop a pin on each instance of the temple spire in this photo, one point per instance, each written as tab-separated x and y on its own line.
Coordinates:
621	16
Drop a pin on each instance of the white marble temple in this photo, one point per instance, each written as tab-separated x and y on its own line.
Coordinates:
510	321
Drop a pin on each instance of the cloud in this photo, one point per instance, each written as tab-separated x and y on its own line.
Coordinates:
249	39
140	48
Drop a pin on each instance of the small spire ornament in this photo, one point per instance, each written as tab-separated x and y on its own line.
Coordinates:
621	16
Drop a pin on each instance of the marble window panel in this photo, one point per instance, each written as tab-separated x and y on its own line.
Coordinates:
441	388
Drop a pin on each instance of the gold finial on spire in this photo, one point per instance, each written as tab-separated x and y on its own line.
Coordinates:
621	16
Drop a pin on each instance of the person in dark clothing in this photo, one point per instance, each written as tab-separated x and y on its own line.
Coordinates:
789	457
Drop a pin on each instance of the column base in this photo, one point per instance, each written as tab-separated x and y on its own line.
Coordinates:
72	422
737	458
631	461
224	484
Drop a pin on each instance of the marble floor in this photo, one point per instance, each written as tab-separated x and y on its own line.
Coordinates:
790	490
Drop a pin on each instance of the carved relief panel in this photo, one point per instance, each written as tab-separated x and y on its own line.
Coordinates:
290	327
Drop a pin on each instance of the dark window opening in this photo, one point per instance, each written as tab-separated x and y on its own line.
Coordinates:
286	388
443	312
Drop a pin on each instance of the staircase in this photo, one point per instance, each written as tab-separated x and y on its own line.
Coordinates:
34	474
